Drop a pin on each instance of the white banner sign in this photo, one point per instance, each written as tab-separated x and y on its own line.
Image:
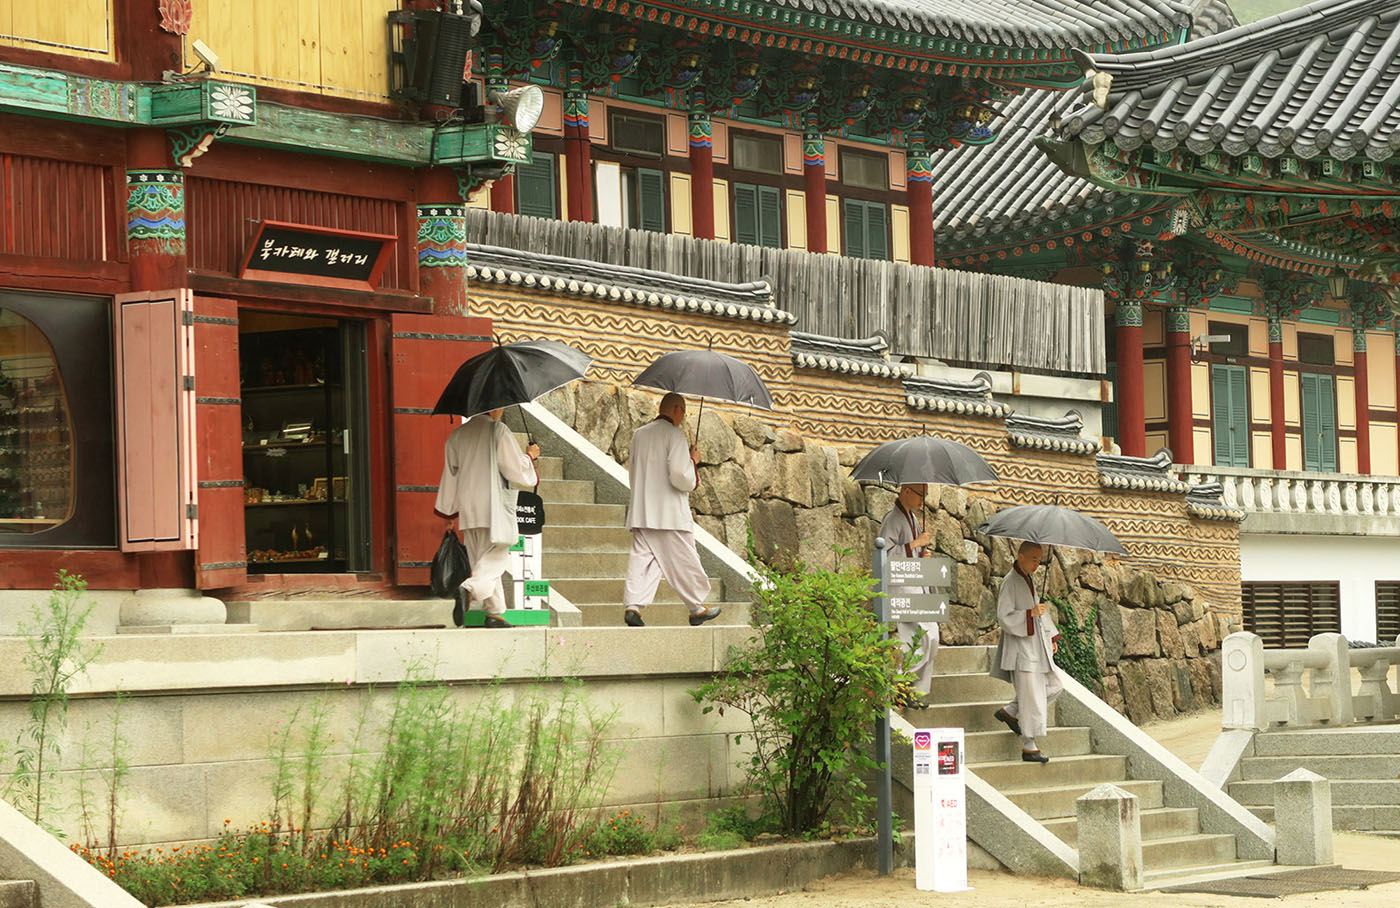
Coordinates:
940	810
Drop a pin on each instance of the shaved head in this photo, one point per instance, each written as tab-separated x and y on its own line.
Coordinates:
670	405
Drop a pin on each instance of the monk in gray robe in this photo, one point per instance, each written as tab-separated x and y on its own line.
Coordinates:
663	470
1025	654
480	457
905	537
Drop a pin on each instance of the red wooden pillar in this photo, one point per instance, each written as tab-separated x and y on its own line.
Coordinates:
920	197
442	242
1363	401
814	188
578	154
1180	433
1127	336
1278	431
702	173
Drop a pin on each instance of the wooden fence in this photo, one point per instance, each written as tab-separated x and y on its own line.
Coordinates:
971	319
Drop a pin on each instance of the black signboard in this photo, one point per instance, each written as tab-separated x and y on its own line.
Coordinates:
312	255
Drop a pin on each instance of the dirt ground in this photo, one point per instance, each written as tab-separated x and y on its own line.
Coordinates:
1189	738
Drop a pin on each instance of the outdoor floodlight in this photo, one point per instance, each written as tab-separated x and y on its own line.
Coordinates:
206	55
520	107
1338	284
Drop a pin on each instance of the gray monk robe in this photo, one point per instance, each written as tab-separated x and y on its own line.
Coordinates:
479	458
899	529
1025	654
662	476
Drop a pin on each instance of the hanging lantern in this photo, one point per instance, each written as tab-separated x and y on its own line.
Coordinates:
1338	284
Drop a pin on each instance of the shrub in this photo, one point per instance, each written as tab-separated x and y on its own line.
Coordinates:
811	681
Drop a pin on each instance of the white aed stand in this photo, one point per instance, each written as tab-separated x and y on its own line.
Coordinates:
940	810
526	566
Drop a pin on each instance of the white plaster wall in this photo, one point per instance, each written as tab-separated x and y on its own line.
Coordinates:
1356	562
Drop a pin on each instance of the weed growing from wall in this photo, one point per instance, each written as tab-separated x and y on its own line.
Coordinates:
1076	653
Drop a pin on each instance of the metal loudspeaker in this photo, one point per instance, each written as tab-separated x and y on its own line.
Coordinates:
520	107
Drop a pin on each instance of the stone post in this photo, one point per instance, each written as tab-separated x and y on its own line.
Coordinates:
1242	682
1303	818
1333	686
1110	839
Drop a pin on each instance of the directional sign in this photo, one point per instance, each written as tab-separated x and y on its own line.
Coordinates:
936	572
919	607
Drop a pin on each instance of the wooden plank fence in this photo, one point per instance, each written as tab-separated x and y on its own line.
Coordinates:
971	319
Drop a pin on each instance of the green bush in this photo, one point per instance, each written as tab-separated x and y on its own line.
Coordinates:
811	681
1076	653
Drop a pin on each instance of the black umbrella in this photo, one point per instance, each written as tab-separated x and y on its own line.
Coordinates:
1048	524
507	374
923	458
705	373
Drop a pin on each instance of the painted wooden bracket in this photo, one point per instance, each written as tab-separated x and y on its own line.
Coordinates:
190	142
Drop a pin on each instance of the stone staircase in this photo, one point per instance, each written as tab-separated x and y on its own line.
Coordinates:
18	894
1362	763
1173	843
585	549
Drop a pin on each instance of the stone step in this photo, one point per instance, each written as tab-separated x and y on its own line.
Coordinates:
735	614
19	894
960	688
584	564
1158	823
1348	792
1353	766
968	716
569	513
1361	740
1378	818
1178	876
587	539
548	468
1018	775
1188	851
607	591
1053	802
962	660
999	745
566	490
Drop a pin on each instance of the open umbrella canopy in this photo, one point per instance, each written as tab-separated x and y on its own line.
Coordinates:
1048	524
507	374
923	458
705	373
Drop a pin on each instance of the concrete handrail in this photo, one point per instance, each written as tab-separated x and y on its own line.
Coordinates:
1327	699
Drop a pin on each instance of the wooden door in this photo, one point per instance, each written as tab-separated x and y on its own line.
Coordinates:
221	559
425	353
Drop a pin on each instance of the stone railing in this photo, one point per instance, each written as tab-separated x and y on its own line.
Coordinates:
1248	702
1286	501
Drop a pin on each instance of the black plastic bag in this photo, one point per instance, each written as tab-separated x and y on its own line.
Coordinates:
529	513
450	566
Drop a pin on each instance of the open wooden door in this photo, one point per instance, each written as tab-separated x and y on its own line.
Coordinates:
221	558
426	351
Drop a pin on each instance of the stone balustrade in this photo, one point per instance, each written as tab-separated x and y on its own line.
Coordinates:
1310	687
1287	501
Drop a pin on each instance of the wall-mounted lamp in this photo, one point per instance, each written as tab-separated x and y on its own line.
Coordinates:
1200	342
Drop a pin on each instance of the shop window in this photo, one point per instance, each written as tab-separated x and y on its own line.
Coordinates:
1287	615
1319	411
758	215
57	455
867	229
1387	611
638	135
536	187
1229	405
760	154
36	431
1316	349
1237	343
865	171
644	199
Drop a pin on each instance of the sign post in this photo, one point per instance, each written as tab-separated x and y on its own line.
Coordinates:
884	789
940	810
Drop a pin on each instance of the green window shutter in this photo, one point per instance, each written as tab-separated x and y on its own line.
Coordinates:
770	214
746	214
877	239
1312	457
651	200
1327	423
855	228
535	188
1239	416
1220	414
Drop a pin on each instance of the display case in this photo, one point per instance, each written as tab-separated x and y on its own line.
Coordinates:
36	446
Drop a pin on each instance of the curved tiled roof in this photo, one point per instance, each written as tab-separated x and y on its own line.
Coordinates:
1323	79
864	356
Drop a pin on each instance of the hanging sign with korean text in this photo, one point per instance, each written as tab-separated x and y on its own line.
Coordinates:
321	256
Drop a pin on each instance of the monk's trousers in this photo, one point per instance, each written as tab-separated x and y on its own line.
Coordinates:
670	554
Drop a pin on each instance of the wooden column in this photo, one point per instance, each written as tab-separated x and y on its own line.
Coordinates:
1127	337
1363	400
814	188
1278	431
578	154
1180	433
702	171
919	192
442	242
503	188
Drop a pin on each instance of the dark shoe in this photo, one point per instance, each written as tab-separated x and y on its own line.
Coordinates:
708	614
908	703
633	618
1033	756
1009	719
459	607
493	621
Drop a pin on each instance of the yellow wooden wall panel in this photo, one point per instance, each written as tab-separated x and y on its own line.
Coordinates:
1346	402
1200	391
1154	390
1153	327
792	152
682	221
1380	370
1259	395
79	28
722	210
1155	441
1290	341
1293	450
678	135
1258	337
833	221
1292	400
308	45
1385	456
899	233
1341	345
374	45
1346	455
796	219
1201	441
1262	455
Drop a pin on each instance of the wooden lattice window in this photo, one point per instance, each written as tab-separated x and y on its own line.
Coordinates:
1287	615
1387	611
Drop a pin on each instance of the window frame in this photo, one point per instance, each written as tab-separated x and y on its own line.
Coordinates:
1311	338
849	154
1286	625
737	135
658	122
1387	611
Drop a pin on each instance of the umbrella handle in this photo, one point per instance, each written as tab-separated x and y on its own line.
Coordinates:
529	439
